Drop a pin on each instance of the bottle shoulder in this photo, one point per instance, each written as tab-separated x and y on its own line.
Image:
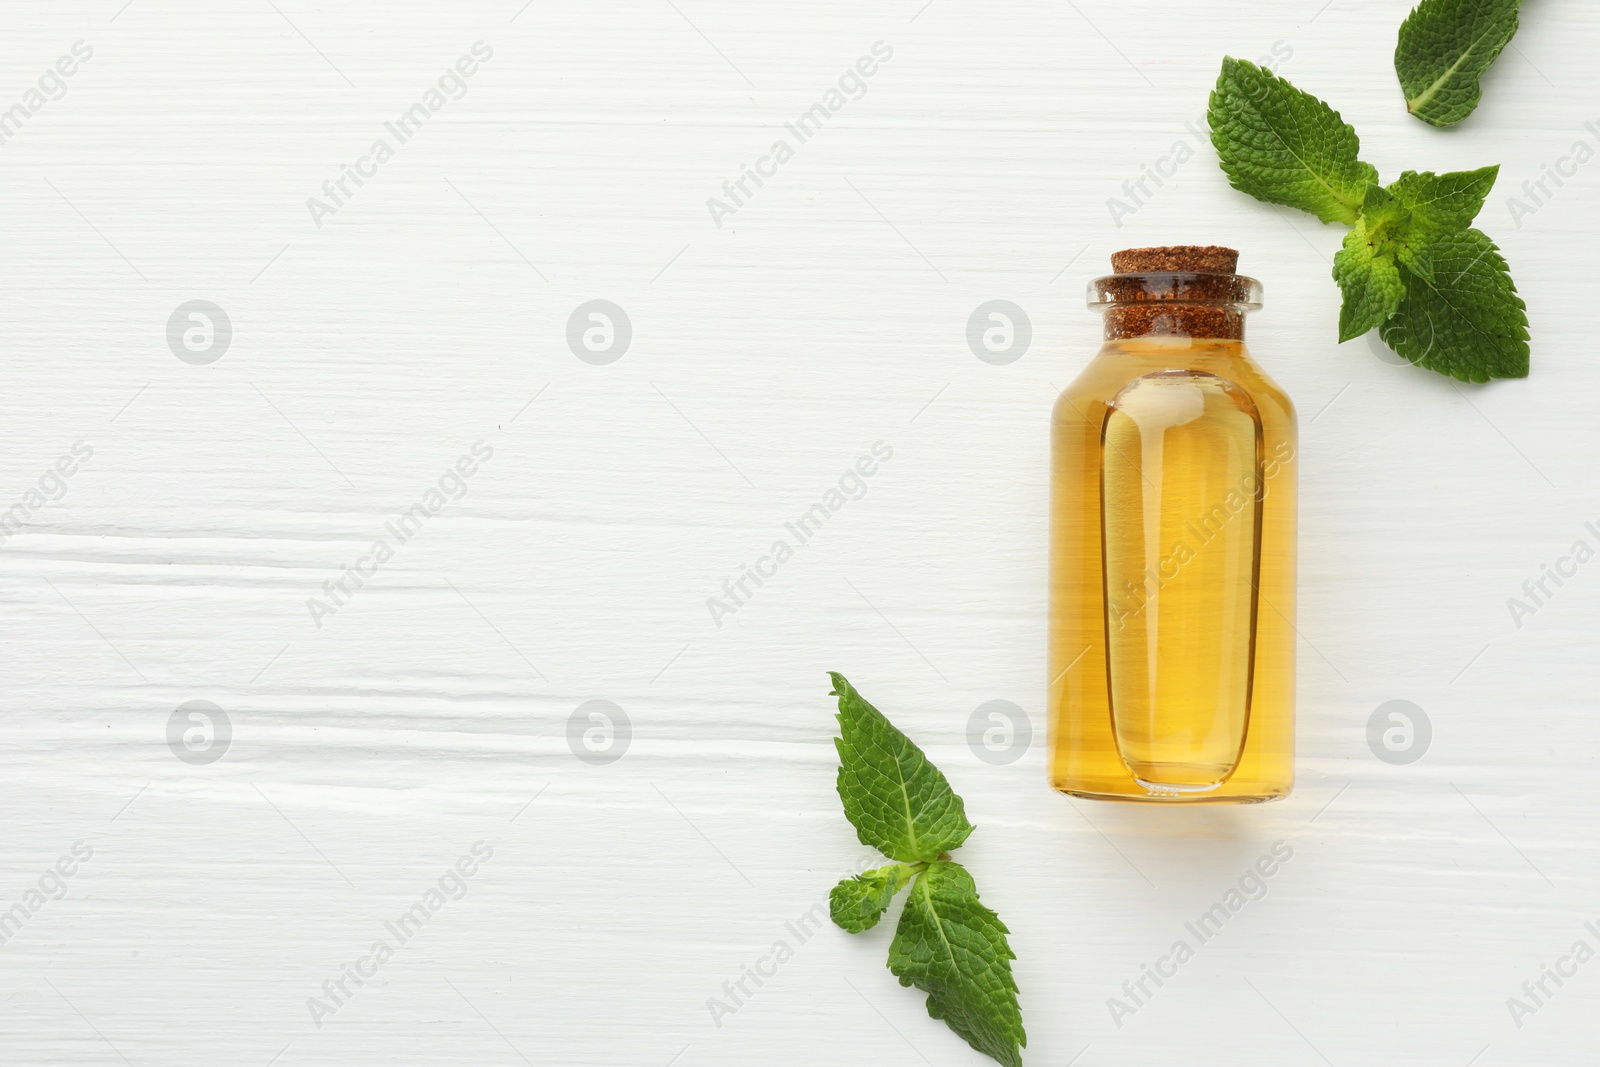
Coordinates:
1119	363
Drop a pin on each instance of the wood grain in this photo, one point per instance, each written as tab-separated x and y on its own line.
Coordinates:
434	709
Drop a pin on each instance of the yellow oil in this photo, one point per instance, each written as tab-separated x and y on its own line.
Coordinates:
1172	576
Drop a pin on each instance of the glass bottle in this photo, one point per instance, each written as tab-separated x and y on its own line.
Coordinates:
1172	546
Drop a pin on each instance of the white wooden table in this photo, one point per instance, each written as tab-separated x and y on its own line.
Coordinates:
420	742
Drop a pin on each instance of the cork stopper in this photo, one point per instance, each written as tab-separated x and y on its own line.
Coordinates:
1175	291
1197	259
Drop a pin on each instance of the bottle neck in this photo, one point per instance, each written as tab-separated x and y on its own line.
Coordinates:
1165	303
1202	321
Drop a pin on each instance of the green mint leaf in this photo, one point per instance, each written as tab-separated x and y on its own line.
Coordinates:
1467	322
1285	146
1415	253
858	902
899	803
1444	48
1444	201
1419	209
1369	277
1380	205
954	949
1383	216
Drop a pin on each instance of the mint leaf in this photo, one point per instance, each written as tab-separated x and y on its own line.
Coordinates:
1468	321
1370	280
1415	252
1444	48
947	943
1425	207
1444	201
1367	268
857	903
899	803
1382	214
954	949
1285	146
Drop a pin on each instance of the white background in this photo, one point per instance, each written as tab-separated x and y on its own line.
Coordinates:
829	312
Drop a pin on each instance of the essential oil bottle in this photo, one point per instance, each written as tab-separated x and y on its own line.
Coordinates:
1172	546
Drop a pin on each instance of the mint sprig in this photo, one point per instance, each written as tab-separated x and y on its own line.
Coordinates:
1444	48
947	943
1412	267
